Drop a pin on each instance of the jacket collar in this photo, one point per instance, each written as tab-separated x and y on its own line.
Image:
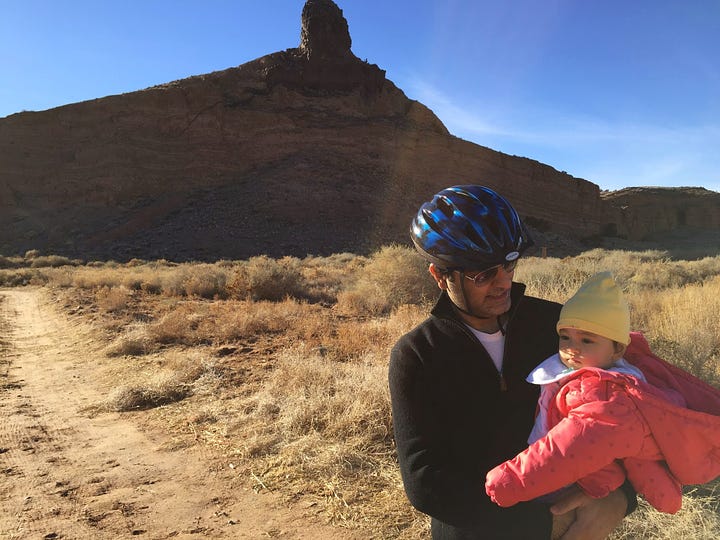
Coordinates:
445	309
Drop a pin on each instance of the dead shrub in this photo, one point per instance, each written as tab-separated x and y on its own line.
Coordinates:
152	286
10	262
405	318
137	398
177	326
113	299
325	277
313	326
263	278
89	277
21	277
661	275
205	282
134	341
354	340
395	275
233	320
193	322
180	377
128	346
674	274
550	278
53	261
172	281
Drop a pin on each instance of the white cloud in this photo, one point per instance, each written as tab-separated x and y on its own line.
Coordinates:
613	155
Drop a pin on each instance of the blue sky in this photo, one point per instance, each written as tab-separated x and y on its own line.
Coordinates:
621	93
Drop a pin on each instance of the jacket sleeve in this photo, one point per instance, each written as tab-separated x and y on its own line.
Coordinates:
656	483
603	425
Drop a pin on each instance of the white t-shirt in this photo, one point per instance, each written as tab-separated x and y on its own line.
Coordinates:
494	344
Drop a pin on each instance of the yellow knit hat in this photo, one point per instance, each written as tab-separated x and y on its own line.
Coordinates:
598	307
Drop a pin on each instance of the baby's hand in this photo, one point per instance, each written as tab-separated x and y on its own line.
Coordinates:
498	486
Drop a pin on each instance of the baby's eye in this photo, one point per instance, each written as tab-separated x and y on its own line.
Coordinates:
588	341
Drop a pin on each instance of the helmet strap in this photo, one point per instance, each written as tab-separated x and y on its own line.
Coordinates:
465	300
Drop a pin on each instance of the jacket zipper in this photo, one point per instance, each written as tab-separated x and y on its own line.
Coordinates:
506	332
501	377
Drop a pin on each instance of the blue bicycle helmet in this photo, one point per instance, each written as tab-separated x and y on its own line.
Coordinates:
469	228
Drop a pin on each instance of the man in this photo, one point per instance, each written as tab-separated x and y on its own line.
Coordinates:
460	401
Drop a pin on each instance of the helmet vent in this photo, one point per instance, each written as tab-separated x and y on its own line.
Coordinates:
444	206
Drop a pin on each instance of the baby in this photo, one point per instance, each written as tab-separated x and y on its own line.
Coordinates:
610	409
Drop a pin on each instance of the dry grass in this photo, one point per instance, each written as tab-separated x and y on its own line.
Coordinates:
153	386
298	399
133	341
323	427
113	299
699	519
263	278
394	276
683	325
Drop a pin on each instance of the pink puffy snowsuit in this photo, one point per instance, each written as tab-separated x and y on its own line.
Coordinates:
664	433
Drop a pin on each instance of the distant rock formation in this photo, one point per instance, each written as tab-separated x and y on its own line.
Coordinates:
324	33
307	150
323	62
641	212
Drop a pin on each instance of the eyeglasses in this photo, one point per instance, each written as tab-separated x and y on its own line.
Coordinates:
483	277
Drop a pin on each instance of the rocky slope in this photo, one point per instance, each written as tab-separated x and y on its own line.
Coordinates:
308	150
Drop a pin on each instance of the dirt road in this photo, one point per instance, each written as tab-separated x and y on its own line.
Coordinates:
67	474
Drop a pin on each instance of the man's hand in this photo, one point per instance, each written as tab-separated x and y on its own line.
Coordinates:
595	519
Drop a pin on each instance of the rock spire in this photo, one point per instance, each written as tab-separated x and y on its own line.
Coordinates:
324	32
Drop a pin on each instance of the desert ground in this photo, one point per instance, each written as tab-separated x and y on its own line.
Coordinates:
249	399
69	471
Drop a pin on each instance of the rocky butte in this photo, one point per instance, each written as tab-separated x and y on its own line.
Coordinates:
307	150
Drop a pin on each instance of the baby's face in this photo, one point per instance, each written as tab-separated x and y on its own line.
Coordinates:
579	349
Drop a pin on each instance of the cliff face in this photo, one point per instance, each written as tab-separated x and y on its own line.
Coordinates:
308	150
640	212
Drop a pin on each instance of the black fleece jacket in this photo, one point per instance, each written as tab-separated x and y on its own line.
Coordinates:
454	420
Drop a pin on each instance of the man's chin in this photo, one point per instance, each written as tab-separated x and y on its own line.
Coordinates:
501	304
495	308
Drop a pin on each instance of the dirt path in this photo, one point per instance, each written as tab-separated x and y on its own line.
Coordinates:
65	474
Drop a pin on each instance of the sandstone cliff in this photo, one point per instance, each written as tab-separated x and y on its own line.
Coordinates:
642	212
308	150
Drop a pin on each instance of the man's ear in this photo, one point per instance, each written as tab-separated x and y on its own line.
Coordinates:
439	276
620	349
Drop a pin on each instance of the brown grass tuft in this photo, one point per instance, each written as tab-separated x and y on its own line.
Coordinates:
177	326
395	275
52	261
113	299
181	375
699	519
263	278
134	341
